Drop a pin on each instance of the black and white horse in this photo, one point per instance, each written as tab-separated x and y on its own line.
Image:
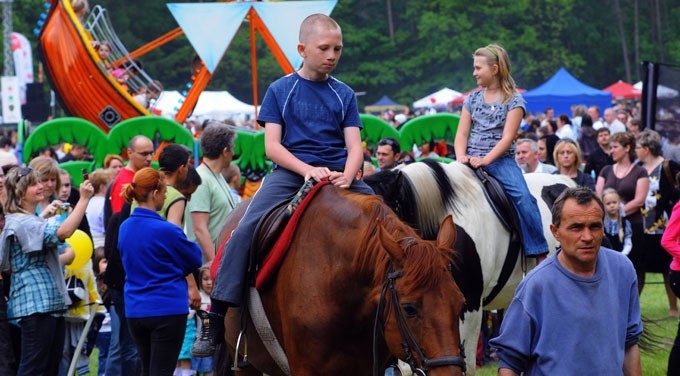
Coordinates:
490	269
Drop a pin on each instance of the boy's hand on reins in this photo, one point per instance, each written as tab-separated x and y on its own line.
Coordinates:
339	180
318	173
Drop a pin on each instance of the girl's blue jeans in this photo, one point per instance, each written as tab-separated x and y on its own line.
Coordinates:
509	175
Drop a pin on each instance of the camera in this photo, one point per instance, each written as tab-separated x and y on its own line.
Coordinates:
64	208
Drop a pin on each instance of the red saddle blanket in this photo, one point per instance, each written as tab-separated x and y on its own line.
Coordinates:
273	260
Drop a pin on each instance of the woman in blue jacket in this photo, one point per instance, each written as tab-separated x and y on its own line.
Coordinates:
156	257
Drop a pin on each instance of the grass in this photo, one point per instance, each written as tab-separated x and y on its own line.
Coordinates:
654	306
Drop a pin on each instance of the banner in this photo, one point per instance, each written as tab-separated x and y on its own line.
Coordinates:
23	63
11	105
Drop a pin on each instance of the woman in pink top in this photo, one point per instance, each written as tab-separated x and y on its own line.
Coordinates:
670	242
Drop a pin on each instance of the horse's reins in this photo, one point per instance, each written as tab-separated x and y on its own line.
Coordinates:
405	334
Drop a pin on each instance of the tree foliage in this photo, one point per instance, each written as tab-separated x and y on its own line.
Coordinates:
432	43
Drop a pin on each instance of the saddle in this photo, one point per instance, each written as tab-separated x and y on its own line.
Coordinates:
505	211
274	233
499	201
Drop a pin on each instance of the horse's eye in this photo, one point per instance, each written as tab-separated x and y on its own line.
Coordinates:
410	310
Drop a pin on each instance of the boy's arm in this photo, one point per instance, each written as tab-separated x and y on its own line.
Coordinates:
278	154
510	129
355	158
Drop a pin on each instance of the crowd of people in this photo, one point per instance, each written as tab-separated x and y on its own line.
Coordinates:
155	233
628	170
149	267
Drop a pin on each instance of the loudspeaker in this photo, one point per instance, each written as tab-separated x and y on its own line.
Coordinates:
36	111
35	93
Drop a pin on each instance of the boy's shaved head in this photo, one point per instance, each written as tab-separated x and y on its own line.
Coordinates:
315	22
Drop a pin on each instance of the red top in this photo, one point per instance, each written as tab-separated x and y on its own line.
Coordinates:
670	238
125	176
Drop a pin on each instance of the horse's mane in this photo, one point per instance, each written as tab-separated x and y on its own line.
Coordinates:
440	189
423	265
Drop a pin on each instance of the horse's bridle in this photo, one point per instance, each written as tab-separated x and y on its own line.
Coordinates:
405	334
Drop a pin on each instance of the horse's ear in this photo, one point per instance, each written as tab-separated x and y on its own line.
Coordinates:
447	233
391	246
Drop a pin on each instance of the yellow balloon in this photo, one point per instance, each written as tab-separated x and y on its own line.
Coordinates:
82	246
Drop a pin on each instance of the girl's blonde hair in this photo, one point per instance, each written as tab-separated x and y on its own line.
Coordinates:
571	144
496	54
17	182
45	167
612	191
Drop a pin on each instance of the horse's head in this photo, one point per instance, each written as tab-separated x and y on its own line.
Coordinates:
421	304
397	193
387	183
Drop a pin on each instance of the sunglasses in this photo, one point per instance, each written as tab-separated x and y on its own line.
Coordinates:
24	171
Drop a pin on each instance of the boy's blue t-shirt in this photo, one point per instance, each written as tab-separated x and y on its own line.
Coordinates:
313	115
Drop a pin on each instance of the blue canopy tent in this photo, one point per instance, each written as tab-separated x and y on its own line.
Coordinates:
562	91
383	104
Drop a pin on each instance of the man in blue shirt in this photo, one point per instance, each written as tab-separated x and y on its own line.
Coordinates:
578	312
312	131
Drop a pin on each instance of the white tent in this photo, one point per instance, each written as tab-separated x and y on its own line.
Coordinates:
217	105
662	92
440	98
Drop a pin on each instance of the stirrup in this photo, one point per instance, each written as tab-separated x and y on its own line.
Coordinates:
240	365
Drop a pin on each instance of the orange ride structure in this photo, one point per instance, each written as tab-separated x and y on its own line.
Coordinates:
87	88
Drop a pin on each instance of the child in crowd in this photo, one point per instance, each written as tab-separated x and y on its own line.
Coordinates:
617	229
100	180
83	293
322	141
204	366
486	134
103	342
184	362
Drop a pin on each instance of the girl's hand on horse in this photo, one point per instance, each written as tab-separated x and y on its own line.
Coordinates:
339	180
464	159
318	173
477	162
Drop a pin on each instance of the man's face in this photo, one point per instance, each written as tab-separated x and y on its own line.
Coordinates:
609	116
580	235
594	113
141	154
386	157
549	114
603	139
78	152
525	157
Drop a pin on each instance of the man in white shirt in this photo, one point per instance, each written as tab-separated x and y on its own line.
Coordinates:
611	122
526	156
594	112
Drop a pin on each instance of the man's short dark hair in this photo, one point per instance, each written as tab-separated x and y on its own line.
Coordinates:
582	195
192	179
173	157
215	137
5	141
603	129
392	143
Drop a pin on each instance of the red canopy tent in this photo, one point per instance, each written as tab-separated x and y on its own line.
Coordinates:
623	90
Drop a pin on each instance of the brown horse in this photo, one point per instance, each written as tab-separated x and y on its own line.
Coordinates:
351	263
